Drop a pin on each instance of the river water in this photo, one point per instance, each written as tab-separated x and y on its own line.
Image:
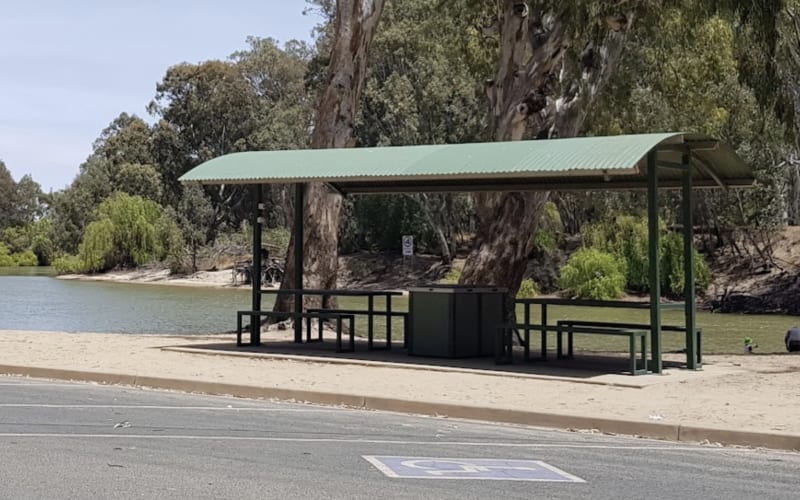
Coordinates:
33	299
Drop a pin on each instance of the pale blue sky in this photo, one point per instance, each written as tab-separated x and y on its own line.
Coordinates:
67	68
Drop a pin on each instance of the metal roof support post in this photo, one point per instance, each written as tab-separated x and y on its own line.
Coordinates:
653	255
299	215
688	269
255	270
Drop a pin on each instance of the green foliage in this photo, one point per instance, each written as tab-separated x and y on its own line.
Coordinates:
672	267
277	240
593	274
139	180
626	237
8	196
708	67
35	237
96	250
527	289
367	227
551	229
452	277
26	258
8	259
129	231
68	264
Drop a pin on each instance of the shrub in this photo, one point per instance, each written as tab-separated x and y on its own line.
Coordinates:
26	258
8	259
68	264
5	256
527	289
551	229
277	240
593	274
452	277
672	266
627	238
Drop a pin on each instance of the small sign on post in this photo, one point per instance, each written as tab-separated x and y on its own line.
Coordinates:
408	252
408	246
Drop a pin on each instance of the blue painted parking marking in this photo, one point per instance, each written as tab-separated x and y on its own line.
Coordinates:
469	468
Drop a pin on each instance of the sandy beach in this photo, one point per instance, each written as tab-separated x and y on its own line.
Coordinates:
213	279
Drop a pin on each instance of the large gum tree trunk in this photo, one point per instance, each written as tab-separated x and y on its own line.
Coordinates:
355	25
527	99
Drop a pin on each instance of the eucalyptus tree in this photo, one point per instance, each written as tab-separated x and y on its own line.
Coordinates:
554	60
557	62
277	75
354	25
256	100
206	110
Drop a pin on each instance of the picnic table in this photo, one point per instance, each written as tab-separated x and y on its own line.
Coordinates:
589	326
370	312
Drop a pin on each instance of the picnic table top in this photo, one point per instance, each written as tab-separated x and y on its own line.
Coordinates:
342	292
625	304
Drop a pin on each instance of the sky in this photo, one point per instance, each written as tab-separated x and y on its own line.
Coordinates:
69	67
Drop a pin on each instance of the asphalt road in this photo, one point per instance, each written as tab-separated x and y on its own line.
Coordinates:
63	440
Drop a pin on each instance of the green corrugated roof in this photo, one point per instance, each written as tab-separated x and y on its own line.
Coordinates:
575	163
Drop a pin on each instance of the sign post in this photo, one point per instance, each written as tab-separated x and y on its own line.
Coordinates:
408	251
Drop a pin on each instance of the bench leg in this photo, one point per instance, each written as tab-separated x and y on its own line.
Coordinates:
352	334
644	353
699	348
632	347
559	342
569	343
308	329
388	330
543	339
338	334
543	342
527	347
238	330
370	321
503	350
405	331
634	355
255	329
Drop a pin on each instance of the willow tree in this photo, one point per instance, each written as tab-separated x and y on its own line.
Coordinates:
354	27
554	60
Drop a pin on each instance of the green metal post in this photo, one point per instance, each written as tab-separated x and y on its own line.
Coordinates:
299	215
688	268
653	247
255	274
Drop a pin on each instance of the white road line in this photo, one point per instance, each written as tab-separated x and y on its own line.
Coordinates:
156	407
178	437
35	384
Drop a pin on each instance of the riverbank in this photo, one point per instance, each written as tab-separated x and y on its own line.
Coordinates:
735	399
212	279
364	271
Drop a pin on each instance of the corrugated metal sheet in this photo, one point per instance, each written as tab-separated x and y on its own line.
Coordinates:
544	162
